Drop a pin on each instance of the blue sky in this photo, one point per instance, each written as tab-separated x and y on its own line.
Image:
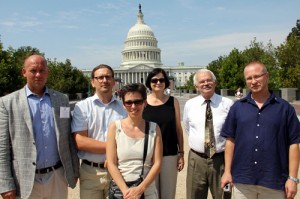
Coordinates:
195	32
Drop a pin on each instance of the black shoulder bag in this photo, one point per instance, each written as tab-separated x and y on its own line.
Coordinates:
114	191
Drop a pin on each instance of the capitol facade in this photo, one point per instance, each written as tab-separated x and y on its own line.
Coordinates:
141	54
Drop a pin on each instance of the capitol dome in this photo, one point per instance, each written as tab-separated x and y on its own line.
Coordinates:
141	45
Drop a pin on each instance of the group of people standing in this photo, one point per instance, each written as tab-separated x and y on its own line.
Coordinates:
250	144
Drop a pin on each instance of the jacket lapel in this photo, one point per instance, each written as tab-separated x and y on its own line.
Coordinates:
25	110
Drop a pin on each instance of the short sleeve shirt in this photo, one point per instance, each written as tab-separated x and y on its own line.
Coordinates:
262	138
94	116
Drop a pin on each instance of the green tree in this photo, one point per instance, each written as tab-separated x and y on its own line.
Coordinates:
288	55
65	78
257	51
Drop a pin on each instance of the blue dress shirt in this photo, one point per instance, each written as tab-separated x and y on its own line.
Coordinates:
262	139
43	128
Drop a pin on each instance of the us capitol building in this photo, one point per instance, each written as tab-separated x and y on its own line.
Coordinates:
141	54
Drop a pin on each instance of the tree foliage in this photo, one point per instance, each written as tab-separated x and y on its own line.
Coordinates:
63	77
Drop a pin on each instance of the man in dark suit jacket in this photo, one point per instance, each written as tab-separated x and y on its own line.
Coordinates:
37	152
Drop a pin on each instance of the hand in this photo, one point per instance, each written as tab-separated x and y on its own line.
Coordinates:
9	194
226	178
133	193
180	162
290	189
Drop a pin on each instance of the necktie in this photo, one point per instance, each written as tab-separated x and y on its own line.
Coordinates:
209	132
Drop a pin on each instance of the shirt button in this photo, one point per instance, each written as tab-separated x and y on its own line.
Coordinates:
255	162
256	136
256	150
257	124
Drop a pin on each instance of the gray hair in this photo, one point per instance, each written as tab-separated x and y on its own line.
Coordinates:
204	70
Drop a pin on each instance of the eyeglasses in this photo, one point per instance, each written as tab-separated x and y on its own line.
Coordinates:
255	77
208	81
135	102
155	80
101	78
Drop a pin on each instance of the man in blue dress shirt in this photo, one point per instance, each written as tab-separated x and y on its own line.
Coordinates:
262	135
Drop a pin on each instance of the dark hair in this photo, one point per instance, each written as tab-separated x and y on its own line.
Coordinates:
154	72
134	87
102	66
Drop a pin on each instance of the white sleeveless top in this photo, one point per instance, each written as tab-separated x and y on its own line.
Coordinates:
130	152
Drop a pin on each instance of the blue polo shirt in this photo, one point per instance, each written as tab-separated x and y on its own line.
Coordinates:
262	139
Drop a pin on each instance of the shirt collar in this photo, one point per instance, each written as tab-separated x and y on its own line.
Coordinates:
272	98
96	98
212	99
29	92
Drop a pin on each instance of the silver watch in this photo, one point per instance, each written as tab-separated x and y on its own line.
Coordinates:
294	179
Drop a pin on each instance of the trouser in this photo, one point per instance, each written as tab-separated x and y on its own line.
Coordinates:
244	191
203	174
50	185
94	182
167	179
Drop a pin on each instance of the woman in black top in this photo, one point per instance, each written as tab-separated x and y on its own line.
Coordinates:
165	111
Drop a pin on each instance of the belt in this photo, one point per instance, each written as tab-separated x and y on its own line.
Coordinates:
49	169
93	164
203	155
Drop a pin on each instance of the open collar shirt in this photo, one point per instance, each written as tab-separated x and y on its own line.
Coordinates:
194	120
262	138
95	116
43	128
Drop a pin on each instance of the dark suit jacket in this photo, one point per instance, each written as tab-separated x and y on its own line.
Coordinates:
17	145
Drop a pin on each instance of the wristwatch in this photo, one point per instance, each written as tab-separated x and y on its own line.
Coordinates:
294	179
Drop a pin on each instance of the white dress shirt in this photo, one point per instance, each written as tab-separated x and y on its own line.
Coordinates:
194	120
94	116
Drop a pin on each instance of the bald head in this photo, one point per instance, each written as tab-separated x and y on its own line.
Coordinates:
36	72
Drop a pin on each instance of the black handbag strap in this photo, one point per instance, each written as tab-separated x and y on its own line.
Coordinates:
145	145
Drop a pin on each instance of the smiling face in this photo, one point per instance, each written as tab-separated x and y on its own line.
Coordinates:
103	81
205	84
134	104
36	73
157	83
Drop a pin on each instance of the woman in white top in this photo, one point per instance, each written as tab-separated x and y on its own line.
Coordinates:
125	146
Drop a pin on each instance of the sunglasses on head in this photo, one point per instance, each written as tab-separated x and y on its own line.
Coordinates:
155	80
135	102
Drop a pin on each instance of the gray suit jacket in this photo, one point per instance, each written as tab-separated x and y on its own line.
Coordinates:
17	143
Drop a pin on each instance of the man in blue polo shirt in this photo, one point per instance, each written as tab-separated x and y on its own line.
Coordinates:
262	135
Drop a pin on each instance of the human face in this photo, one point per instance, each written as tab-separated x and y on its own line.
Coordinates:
205	84
36	73
157	82
134	109
103	81
256	77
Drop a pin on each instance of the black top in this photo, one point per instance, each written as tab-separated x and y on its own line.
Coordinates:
164	116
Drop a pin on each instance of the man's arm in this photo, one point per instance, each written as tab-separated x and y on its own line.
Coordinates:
7	185
291	186
229	149
84	143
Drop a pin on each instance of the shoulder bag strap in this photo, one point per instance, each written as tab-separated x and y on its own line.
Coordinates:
145	145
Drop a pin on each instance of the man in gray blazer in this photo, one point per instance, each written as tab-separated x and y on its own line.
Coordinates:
37	152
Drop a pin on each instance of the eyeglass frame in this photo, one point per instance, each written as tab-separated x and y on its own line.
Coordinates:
255	77
101	77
